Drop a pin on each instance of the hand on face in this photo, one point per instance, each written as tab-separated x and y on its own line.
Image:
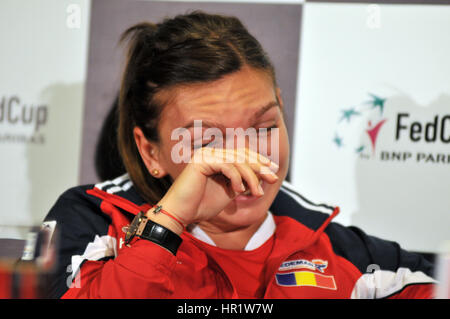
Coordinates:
213	178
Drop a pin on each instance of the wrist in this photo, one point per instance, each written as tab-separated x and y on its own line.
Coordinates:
166	219
162	232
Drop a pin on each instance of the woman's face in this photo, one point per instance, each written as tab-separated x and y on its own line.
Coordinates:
231	102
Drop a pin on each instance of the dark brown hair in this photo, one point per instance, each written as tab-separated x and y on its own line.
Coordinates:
191	48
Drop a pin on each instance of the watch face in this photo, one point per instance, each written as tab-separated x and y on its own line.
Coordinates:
132	228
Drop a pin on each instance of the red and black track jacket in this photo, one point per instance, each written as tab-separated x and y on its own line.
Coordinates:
312	257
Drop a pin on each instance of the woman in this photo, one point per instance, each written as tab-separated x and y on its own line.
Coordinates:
204	211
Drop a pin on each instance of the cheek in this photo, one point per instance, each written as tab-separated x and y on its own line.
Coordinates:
173	167
284	149
279	148
283	155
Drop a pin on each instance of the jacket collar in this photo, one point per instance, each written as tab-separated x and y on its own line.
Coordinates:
264	232
289	202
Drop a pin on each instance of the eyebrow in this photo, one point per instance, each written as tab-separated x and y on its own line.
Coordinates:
257	115
265	108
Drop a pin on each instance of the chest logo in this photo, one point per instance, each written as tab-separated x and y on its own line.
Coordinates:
315	264
305	278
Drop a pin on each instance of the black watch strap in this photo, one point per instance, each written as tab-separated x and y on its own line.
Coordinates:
162	236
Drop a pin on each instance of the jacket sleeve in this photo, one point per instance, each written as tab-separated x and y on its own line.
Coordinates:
387	270
140	271
89	263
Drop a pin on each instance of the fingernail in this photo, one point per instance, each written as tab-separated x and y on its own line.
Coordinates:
265	170
242	187
274	167
264	159
261	191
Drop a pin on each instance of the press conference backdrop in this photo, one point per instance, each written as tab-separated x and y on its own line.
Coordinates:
372	131
366	88
43	54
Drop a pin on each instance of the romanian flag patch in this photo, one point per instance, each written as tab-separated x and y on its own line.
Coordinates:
305	278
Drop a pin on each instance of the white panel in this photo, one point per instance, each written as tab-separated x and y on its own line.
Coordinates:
398	53
43	65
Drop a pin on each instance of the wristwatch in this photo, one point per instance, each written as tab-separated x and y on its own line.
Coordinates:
144	228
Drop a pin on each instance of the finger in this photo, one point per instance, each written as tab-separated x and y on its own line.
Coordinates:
264	172
227	169
249	159
250	172
247	174
250	177
254	157
240	155
261	169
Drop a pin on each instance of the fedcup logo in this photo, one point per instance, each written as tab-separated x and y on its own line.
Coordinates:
371	111
395	129
262	141
22	122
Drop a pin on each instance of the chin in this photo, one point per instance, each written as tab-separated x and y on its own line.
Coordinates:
244	211
242	217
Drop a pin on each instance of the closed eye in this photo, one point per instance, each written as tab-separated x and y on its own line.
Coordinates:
268	129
